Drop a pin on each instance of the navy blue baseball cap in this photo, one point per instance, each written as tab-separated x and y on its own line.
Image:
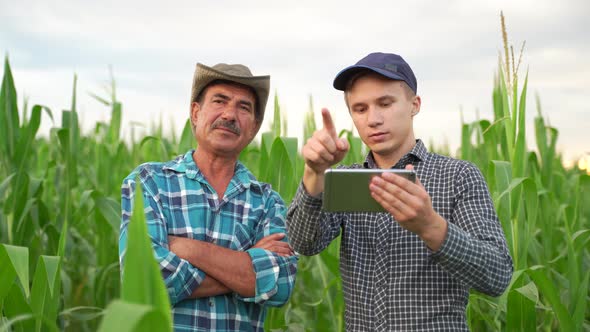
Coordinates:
389	65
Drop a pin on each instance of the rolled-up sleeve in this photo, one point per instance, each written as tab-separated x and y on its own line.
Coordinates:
275	274
275	277
180	277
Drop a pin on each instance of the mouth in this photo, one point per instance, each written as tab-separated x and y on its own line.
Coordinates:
378	137
229	130
378	134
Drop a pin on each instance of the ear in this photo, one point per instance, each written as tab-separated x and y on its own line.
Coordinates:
416	103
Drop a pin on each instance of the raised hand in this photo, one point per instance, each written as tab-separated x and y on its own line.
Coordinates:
324	148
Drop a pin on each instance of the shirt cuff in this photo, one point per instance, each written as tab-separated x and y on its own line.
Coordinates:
266	267
185	279
306	199
451	253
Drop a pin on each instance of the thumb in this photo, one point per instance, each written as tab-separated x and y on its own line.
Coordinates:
276	236
342	144
411	168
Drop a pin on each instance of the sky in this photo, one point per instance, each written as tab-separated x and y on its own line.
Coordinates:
152	47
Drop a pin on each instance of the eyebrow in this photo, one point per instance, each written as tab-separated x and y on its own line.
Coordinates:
241	102
220	95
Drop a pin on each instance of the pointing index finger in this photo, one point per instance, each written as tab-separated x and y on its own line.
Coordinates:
328	123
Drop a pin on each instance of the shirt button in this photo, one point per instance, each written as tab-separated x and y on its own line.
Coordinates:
211	303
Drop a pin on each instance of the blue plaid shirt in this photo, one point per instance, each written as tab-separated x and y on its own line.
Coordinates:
179	201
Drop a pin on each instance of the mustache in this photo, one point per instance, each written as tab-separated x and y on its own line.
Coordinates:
227	124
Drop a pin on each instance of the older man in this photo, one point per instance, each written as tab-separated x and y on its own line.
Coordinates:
411	268
218	234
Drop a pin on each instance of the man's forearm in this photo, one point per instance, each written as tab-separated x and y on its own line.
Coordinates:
231	268
209	287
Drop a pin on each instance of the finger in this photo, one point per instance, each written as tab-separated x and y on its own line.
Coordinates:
393	210
411	167
328	123
398	192
327	141
285	246
283	252
323	155
279	247
342	144
393	195
401	182
273	237
312	150
282	244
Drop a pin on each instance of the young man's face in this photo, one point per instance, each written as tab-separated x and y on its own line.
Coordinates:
225	119
382	112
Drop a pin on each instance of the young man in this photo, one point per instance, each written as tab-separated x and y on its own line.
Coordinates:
218	234
409	269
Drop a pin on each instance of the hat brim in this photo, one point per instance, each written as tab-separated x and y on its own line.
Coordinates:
346	74
204	75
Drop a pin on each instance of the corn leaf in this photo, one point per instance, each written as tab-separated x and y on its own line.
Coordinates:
124	316
142	281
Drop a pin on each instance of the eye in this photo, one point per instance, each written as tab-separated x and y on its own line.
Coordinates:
359	109
385	104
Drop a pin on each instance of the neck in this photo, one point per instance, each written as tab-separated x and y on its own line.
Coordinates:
217	169
389	160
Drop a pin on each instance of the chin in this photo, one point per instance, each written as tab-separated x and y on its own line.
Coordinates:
382	150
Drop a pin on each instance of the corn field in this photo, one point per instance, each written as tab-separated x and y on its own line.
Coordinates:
60	216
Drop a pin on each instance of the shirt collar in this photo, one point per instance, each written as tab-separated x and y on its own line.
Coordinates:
186	164
417	154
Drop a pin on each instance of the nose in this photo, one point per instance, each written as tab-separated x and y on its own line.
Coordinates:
230	111
374	117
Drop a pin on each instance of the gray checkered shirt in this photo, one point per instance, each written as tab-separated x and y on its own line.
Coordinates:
391	280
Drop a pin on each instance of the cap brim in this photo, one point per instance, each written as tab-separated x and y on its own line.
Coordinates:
346	74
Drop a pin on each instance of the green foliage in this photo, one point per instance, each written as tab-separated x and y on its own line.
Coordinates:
539	204
144	300
60	216
28	305
127	316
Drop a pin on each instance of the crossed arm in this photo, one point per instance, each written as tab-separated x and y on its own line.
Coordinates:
264	272
226	270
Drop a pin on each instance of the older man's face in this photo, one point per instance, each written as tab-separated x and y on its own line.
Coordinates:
225	119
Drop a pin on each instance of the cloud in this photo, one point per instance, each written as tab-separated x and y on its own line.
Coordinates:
453	47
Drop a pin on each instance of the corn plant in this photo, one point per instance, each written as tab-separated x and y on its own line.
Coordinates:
60	216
